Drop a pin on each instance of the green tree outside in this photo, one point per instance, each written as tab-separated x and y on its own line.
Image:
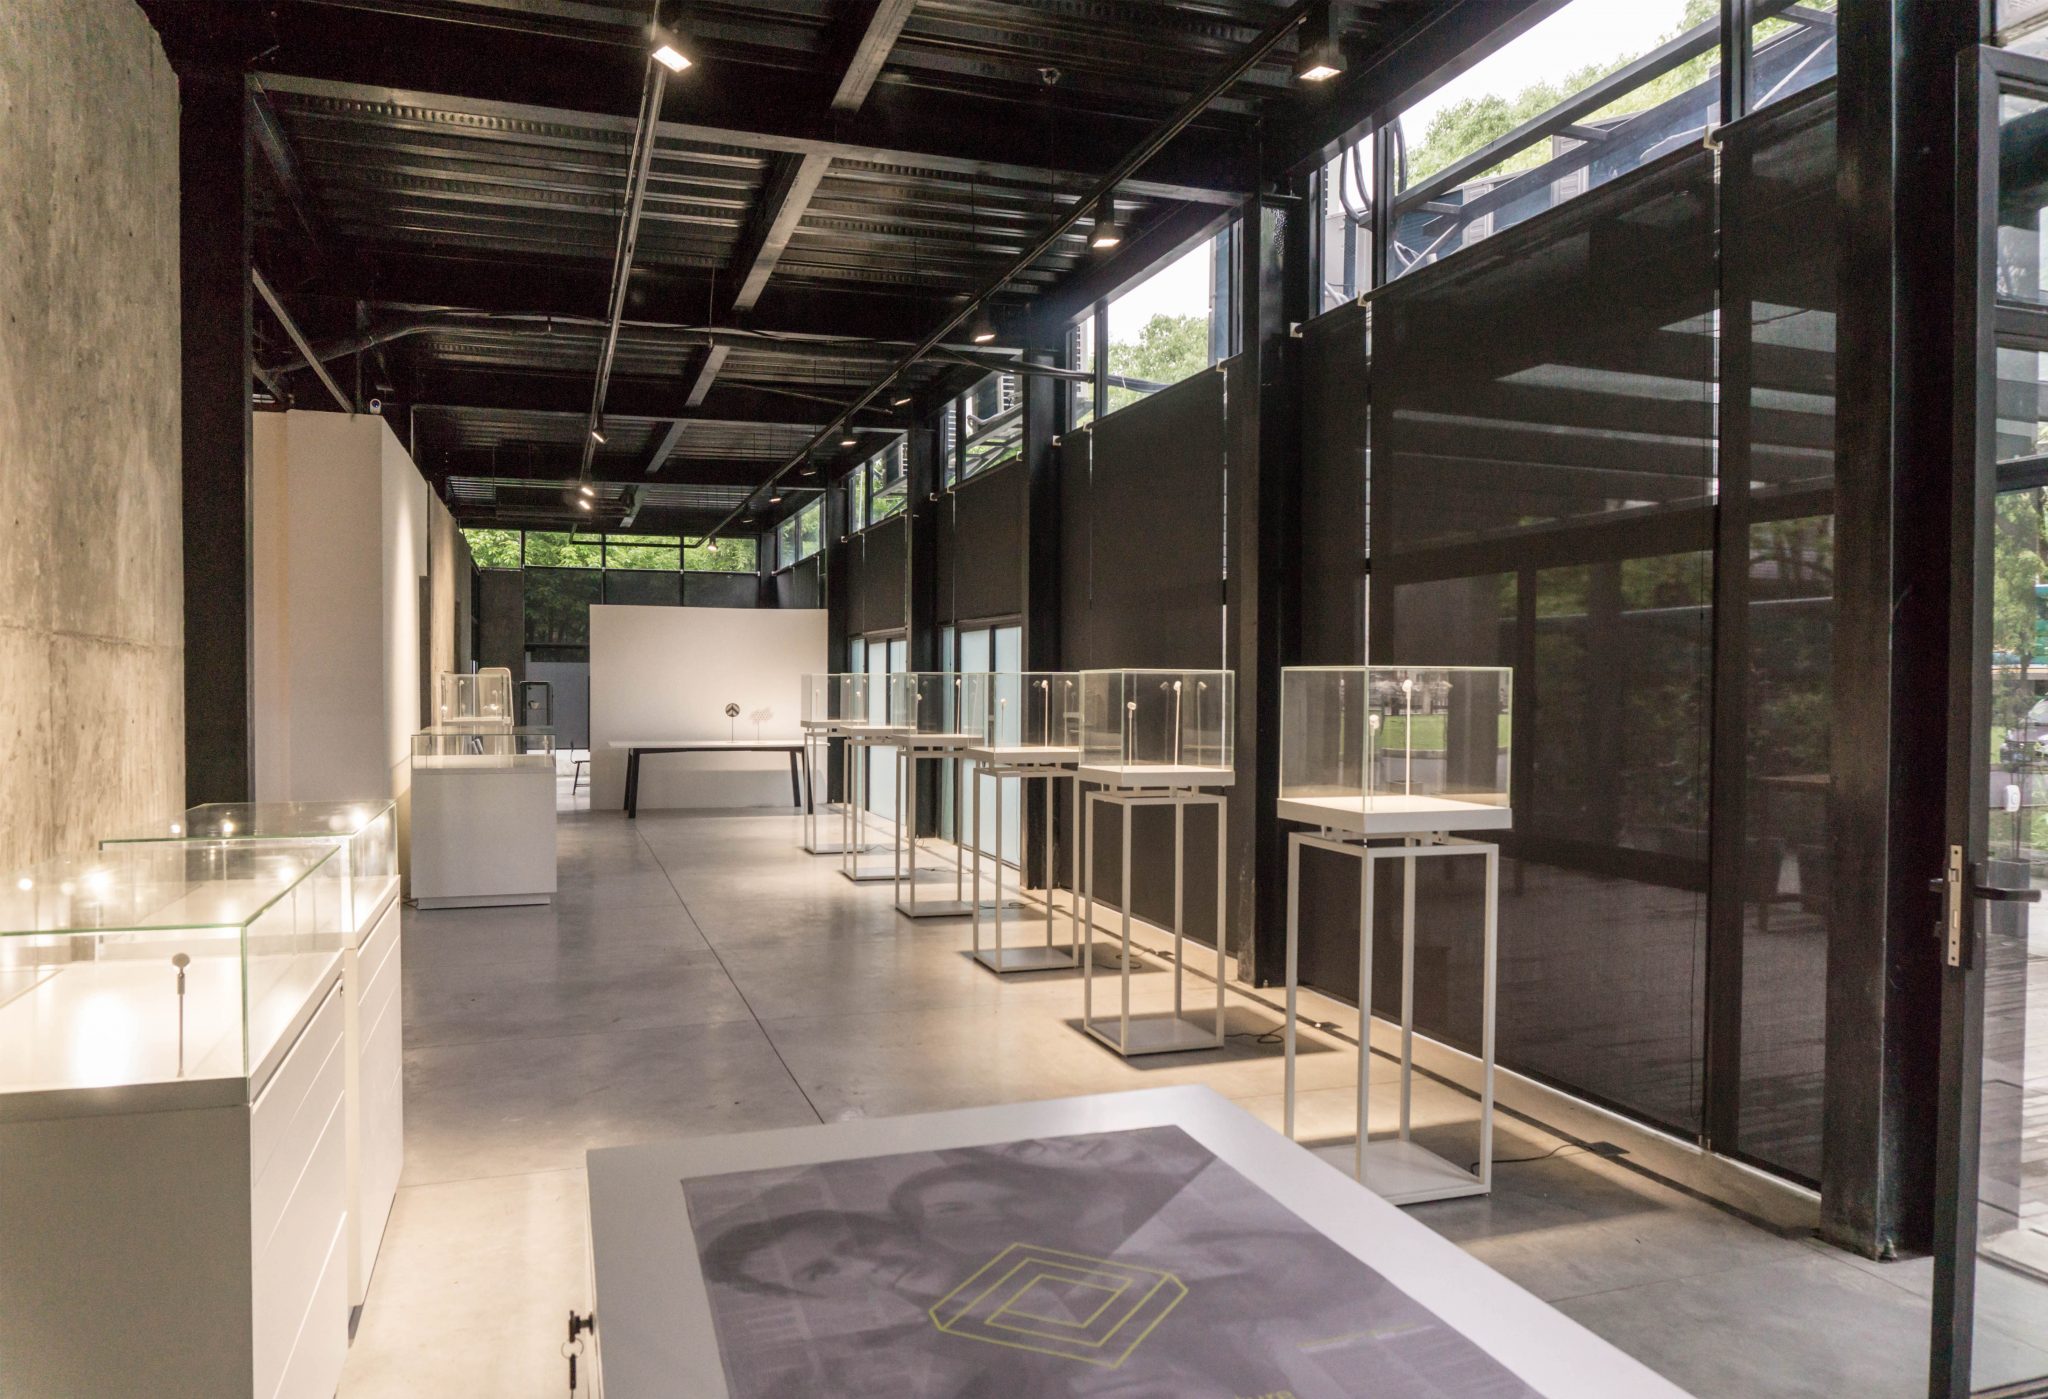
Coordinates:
1168	350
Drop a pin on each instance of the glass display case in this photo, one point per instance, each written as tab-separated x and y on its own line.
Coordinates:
833	700
460	747
1035	709
483	699
162	962
1392	749
1157	727
363	834
937	704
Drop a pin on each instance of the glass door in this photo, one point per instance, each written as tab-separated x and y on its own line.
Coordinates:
1991	1240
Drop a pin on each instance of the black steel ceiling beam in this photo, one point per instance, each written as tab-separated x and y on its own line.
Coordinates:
874	26
1151	246
558	467
277	152
777	212
658	458
654	83
707	374
502	286
940	132
1160	136
512	389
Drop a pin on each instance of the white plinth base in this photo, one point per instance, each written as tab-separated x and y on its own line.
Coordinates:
1026	959
482	838
1403	1173
1154	1034
1396	815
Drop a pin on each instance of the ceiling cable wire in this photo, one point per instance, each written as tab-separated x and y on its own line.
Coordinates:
1247	59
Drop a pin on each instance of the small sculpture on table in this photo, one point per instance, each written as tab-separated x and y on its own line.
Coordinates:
732	714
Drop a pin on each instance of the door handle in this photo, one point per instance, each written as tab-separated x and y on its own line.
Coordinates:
2006	896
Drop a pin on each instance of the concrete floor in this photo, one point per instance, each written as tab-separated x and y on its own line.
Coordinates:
698	973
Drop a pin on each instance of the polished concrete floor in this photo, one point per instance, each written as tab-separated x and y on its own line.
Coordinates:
698	973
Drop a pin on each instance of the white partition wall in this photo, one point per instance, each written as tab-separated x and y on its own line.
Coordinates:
662	673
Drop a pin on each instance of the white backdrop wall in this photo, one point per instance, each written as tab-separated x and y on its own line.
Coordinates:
340	562
669	672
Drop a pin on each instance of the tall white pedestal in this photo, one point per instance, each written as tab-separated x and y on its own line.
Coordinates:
483	832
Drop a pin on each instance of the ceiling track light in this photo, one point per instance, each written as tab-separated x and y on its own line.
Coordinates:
668	48
849	440
597	435
1321	57
982	329
587	489
1107	232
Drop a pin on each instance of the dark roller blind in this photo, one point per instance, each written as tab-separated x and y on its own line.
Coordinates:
721	590
981	547
1155	514
878	580
1543	453
802	585
1779	295
1335	363
1142	494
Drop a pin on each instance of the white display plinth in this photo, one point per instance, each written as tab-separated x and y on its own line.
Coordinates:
912	749
1144	775
1399	1169
158	1239
483	830
1025	764
855	845
1159	1033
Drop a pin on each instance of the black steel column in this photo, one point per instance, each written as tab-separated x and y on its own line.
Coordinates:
1893	562
836	585
925	481
1045	417
1261	593
214	291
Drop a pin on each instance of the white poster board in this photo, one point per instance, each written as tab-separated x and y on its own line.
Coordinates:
668	673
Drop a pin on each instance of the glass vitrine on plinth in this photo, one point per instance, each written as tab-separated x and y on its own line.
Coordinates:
471	700
483	817
1386	762
936	717
1032	732
830	703
1154	739
364	837
171	1102
865	727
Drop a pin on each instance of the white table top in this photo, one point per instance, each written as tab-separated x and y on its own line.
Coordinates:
658	1340
708	745
1157	775
1395	815
1024	755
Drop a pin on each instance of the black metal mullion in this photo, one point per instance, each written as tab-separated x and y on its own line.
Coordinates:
1737	47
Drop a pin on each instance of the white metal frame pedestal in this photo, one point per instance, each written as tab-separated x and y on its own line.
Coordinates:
912	749
853	811
818	758
1029	958
1398	1169
1157	1032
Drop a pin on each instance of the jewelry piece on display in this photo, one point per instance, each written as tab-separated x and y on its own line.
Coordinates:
732	714
181	961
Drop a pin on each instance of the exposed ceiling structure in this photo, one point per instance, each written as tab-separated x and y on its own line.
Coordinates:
442	185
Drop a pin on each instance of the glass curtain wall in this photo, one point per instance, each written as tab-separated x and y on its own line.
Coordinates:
885	656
